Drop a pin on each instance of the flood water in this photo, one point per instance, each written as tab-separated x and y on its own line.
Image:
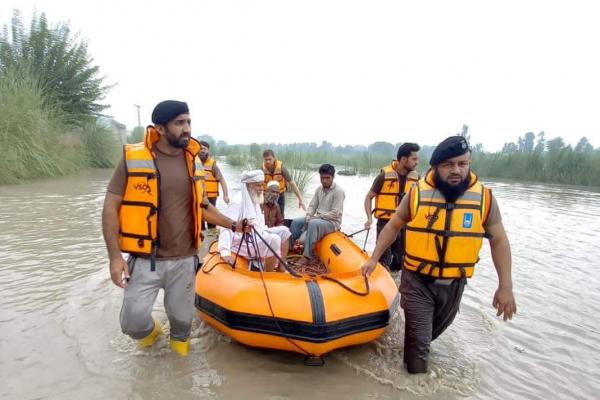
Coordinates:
59	313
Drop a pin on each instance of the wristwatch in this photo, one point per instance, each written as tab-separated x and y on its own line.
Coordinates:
234	226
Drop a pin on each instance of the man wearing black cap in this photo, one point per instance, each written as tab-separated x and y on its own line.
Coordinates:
153	210
446	215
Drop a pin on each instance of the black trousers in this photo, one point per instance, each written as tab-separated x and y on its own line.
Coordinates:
206	225
429	308
393	256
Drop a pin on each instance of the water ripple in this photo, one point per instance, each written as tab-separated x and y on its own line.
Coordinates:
55	284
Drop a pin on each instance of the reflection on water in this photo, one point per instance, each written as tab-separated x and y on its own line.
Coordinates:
61	339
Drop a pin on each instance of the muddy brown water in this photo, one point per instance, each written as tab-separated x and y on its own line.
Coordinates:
60	336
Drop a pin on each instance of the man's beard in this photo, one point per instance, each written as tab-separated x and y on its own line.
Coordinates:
257	198
271	198
451	192
180	142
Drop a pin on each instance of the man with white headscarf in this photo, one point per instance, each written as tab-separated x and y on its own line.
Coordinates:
249	207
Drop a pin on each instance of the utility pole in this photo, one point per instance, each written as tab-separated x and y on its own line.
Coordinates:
138	111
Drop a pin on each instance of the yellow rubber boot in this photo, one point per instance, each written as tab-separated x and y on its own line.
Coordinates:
181	348
151	338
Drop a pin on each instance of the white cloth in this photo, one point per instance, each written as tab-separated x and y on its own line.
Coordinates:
243	207
229	243
256	175
273	183
246	207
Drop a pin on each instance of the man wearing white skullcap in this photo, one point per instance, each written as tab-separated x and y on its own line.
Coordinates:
248	206
271	184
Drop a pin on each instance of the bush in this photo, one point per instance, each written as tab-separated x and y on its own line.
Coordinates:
49	104
302	177
100	146
137	135
32	134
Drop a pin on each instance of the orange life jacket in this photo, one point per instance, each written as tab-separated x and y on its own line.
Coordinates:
276	175
393	189
138	214
443	239
211	184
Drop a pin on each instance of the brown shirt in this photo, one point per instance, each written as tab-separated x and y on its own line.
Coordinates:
175	218
286	174
217	172
272	213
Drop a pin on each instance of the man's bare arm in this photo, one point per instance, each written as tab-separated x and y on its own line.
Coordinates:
296	191
386	237
504	300
225	191
368	208
110	229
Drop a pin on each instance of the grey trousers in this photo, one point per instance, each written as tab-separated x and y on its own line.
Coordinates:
177	278
316	229
429	308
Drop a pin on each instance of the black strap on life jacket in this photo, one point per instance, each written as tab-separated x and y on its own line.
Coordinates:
435	263
446	238
444	233
443	205
156	242
401	192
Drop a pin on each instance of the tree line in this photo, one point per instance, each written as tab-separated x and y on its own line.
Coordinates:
534	158
531	158
51	104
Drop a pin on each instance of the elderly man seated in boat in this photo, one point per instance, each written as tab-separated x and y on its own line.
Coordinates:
263	244
324	214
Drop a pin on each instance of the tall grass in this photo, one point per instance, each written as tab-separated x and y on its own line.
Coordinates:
35	140
302	177
239	160
561	166
299	167
100	146
32	134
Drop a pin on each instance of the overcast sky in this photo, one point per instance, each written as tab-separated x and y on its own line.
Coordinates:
350	72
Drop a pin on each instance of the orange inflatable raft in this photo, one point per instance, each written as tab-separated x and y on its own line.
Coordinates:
311	315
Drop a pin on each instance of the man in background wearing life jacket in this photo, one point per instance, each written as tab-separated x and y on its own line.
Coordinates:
212	179
275	171
447	214
388	189
153	210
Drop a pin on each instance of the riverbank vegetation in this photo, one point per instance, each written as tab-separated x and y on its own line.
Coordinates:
50	97
541	160
531	158
51	111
